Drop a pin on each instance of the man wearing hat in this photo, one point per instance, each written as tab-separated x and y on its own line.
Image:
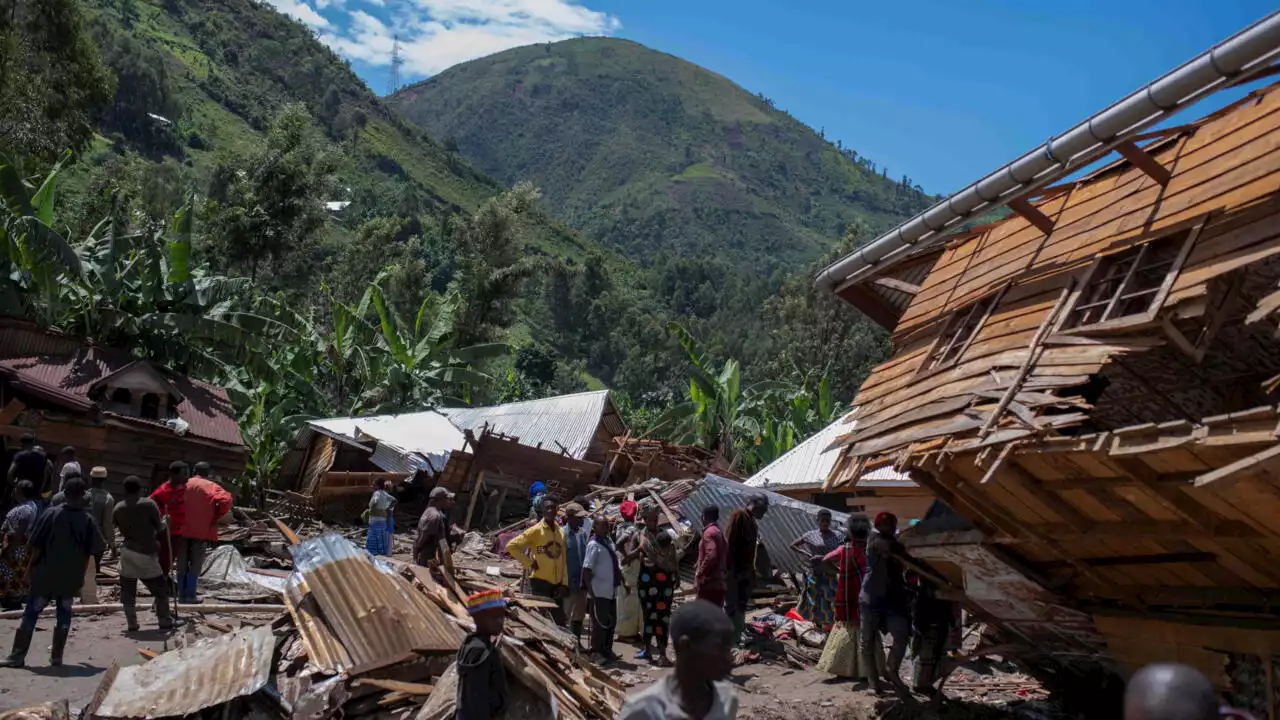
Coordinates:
431	547
482	680
883	601
100	506
577	533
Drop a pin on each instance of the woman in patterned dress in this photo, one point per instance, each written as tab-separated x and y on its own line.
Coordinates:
820	582
13	545
659	577
840	655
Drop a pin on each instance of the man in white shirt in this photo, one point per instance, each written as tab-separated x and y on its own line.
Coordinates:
697	689
600	578
70	466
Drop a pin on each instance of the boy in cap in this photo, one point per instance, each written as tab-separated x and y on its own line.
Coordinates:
482	680
703	638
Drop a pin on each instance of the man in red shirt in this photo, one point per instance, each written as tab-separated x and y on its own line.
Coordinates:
713	555
193	506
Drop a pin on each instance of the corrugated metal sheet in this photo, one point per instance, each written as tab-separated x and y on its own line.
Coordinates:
185	681
63	370
565	423
807	465
786	520
376	615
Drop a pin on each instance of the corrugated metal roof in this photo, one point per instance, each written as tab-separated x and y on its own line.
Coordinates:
567	422
785	521
376	615
63	370
185	681
808	464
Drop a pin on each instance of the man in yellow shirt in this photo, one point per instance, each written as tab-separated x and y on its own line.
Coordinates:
541	550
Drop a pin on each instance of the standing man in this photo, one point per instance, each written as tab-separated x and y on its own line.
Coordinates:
171	499
70	466
883	601
482	680
703	638
541	550
742	537
138	520
27	464
63	540
601	577
100	504
431	546
207	502
713	553
577	533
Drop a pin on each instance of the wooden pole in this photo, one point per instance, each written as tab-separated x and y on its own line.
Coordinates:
475	493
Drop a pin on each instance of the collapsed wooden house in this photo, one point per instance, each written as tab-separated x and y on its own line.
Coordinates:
490	455
1092	382
124	413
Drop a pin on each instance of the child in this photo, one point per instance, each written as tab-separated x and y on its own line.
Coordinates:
703	638
482	680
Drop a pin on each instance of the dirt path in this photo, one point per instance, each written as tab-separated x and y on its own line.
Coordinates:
96	641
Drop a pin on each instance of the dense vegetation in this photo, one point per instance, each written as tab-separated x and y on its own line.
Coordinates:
327	257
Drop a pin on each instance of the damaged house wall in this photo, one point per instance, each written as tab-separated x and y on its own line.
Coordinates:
1092	382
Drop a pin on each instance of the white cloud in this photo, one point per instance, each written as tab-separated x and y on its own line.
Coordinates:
300	10
436	34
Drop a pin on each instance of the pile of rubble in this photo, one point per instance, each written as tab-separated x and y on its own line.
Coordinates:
360	637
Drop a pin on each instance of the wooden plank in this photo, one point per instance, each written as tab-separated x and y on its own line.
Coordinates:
1144	162
1035	353
872	306
896	284
1015	473
471	504
1031	214
1170	495
408	688
1265	463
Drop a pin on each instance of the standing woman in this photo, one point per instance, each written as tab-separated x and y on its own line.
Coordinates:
658	580
820	582
841	657
381	511
13	545
629	617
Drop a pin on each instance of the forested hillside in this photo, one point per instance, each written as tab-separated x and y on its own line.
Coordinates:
206	184
656	156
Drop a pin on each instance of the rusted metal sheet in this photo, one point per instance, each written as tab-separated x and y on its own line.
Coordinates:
374	614
185	681
324	651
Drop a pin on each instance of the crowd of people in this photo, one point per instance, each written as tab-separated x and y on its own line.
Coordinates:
58	527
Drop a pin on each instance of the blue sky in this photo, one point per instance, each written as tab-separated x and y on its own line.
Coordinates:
941	90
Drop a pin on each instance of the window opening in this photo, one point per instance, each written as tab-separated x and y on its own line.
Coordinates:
959	331
1128	283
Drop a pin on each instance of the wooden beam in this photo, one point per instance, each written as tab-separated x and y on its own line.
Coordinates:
1265	463
1144	162
1015	474
896	284
1167	494
471	505
1152	530
1032	214
872	306
1126	560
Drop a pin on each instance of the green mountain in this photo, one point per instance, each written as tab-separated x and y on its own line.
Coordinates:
656	156
218	72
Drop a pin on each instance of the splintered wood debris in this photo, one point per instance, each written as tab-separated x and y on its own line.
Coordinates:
324	659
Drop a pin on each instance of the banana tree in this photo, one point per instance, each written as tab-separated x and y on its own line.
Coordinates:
419	360
33	255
